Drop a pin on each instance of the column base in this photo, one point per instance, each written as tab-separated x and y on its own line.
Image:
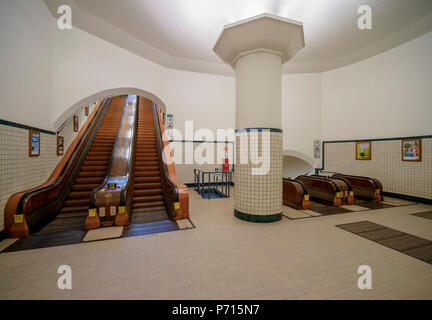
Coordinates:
265	218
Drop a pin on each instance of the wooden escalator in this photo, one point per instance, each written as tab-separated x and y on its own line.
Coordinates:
92	172
148	200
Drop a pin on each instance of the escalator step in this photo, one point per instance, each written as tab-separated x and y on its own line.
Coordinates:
92	174
147	192
147	204
148	185
147	199
85	187
89	180
79	194
147	174
74	209
77	202
146	168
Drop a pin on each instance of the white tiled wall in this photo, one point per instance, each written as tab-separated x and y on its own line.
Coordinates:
397	176
259	194
18	171
67	132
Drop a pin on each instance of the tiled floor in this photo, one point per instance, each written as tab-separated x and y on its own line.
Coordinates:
226	258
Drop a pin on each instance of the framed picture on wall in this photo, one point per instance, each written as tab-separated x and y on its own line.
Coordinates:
86	110
411	150
34	143
363	150
76	123
60	145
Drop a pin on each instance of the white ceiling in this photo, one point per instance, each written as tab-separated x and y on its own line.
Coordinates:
181	33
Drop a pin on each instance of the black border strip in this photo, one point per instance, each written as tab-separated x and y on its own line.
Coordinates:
193	185
407	197
200	141
258	130
23	126
267	218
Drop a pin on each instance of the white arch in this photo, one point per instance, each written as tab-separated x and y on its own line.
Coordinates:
106	94
300	155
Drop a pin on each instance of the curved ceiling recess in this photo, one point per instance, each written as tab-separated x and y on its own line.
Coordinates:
180	34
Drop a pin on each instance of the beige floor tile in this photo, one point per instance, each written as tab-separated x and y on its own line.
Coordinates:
226	258
312	213
353	207
184	224
293	213
103	233
396	201
6	243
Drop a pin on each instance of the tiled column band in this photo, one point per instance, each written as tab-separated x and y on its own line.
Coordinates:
258	198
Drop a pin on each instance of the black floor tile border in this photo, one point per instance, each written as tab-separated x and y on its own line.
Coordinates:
426	215
41	239
403	242
45	240
327	211
375	205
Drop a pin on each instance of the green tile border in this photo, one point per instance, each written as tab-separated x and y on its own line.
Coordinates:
193	185
200	141
258	130
23	126
407	197
258	218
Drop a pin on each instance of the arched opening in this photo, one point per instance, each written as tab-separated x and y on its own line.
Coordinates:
106	94
296	163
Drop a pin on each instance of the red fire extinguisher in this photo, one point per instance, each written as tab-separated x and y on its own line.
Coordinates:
225	165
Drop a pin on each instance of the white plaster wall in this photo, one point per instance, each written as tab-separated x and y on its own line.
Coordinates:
84	65
25	62
388	95
301	112
208	100
293	167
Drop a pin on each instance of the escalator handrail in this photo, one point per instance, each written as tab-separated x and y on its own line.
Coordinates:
361	177
24	197
332	182
159	140
336	178
344	180
305	190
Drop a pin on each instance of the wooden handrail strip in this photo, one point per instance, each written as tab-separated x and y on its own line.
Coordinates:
182	192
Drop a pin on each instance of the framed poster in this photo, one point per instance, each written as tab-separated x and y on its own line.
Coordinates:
60	145
34	143
411	150
76	123
363	150
86	110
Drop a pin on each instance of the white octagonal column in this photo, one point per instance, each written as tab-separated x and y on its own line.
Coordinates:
258	90
256	48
